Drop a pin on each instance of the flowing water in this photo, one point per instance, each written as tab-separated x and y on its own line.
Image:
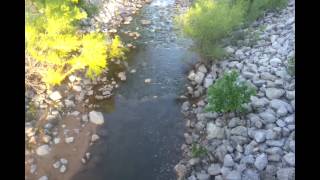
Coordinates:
143	129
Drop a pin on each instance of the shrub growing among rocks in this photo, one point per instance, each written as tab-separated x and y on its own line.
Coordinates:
229	93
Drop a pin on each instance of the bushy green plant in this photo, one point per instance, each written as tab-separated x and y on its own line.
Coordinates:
228	93
207	21
198	150
52	39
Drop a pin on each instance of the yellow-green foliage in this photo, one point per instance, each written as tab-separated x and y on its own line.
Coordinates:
52	39
207	21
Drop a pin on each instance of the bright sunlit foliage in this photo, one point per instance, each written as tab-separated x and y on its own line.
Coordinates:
53	40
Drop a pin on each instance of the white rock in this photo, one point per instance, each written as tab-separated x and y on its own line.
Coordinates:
259	136
96	117
199	77
214	169
57	164
261	162
290	158
69	103
133	71
122	76
64	161
77	88
274	93
69	140
72	78
63	169
207	82
56	140
214	131
43	178
43	150
275	62
228	161
147	81
94	137
202	68
55	96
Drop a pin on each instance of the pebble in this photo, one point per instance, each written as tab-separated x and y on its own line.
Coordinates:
43	150
69	140
96	117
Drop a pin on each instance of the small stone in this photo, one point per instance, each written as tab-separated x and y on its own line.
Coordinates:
64	161
259	136
259	103
94	137
214	131
72	78
228	161
133	71
275	62
268	116
280	123
290	95
69	104
43	178
203	176
274	93
122	76
181	170
46	138
147	81
202	68
240	131
145	22
56	165
261	162
290	119
290	158
33	168
43	150
63	169
56	140
214	169
96	117
88	155
199	77
250	174
69	140
286	174
77	88
233	175
194	161
277	143
55	96
83	160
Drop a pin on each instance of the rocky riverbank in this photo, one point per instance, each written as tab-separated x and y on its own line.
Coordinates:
261	143
61	123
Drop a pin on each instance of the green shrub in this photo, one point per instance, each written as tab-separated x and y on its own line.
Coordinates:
228	93
198	151
53	40
207	21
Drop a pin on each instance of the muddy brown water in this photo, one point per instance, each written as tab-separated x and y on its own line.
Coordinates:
143	129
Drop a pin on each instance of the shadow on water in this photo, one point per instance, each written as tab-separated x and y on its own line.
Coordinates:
143	129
